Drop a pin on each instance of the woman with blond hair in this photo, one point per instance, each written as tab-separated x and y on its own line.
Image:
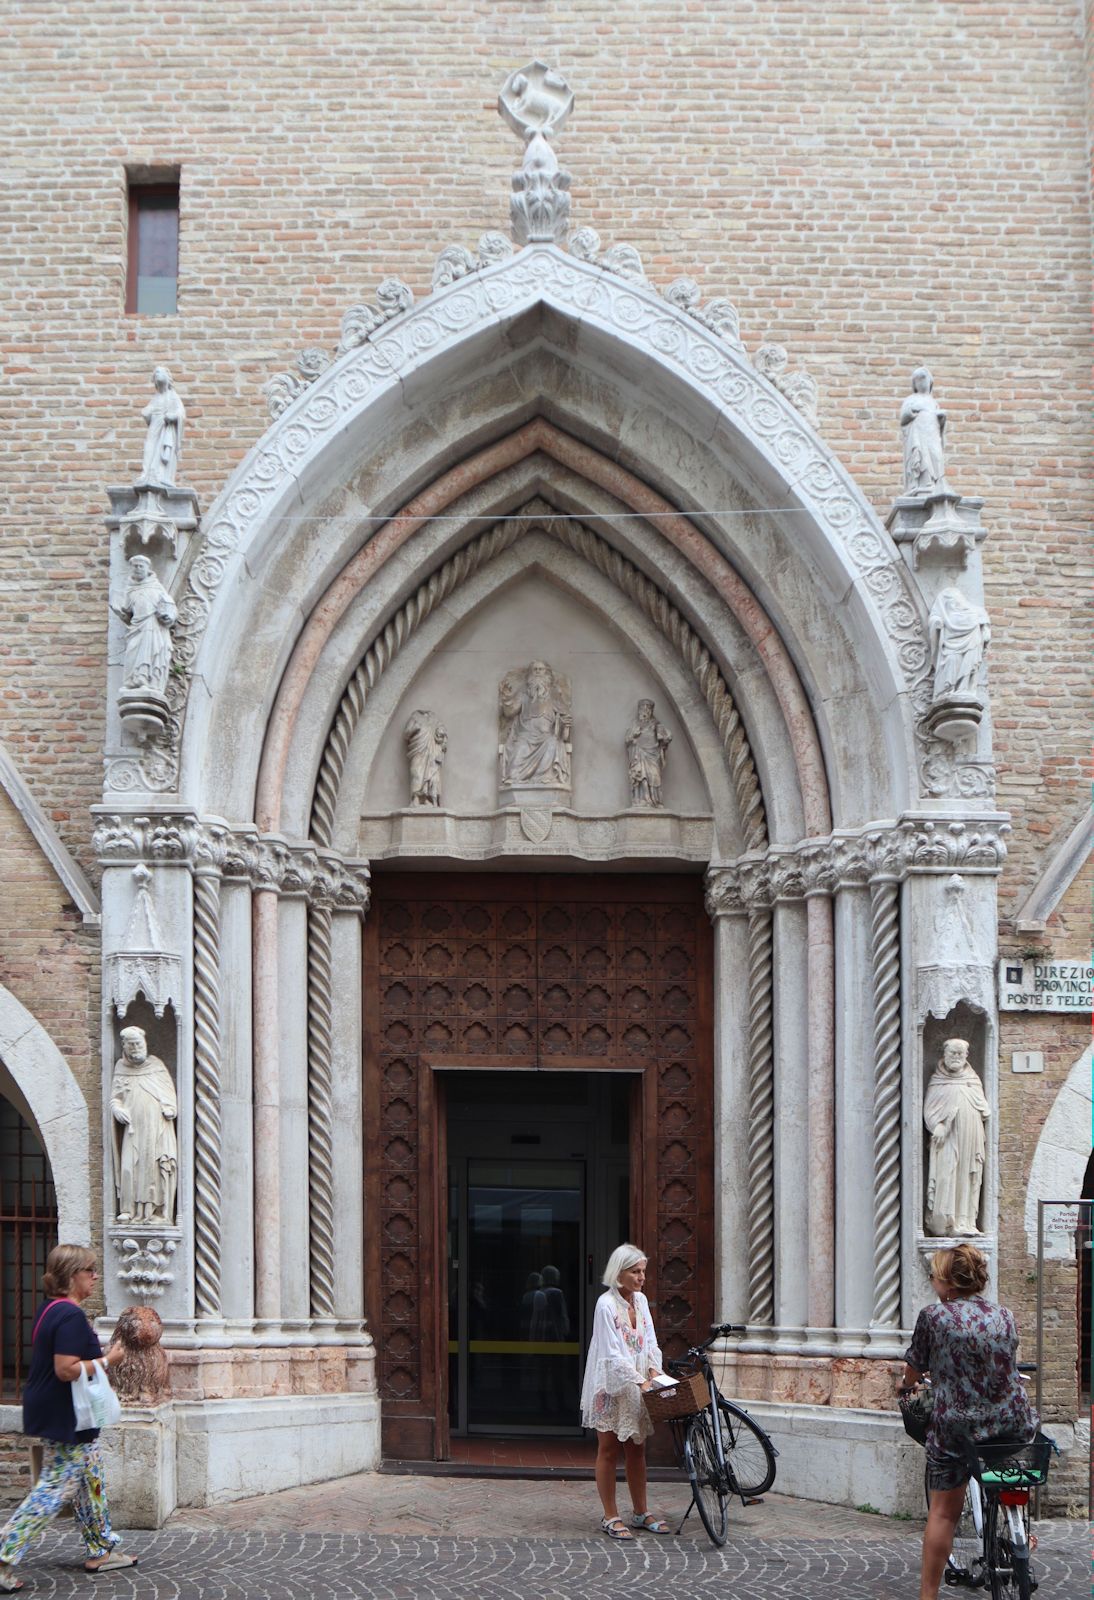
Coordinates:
63	1344
969	1346
623	1358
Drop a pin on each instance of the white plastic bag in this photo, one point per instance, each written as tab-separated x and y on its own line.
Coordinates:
94	1403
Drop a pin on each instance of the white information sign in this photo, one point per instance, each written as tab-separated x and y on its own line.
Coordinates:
1046	986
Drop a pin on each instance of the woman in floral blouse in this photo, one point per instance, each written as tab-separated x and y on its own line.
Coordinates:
623	1358
969	1346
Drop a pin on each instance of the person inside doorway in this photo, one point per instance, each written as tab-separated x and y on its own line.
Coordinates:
624	1357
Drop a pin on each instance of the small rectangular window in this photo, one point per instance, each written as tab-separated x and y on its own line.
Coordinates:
153	278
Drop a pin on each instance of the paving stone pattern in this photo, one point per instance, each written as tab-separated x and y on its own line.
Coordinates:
784	1549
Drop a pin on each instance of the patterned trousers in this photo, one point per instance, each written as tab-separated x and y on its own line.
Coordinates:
64	1467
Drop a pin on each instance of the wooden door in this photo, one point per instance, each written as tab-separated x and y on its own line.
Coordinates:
551	973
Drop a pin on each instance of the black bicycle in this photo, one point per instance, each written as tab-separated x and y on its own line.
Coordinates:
723	1451
991	1542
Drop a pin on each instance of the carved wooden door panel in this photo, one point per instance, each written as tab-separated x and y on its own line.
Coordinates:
561	973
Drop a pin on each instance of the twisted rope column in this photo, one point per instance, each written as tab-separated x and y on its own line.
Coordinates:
885	963
320	1112
761	1121
207	1160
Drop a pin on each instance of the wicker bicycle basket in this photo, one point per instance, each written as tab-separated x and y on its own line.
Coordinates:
690	1395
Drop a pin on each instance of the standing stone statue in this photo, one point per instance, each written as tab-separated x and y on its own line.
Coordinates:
955	1110
923	424
959	634
647	742
143	1109
426	746
536	728
149	614
165	415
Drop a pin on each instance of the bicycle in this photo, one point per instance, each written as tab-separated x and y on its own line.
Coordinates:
723	1451
991	1541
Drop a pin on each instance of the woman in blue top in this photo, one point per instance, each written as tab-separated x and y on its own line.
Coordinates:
64	1342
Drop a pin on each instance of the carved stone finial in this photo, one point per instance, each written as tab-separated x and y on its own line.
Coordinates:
535	101
165	415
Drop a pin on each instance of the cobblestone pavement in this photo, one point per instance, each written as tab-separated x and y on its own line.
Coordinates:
405	1538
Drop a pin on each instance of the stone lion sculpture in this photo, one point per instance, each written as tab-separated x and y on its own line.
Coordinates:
141	1377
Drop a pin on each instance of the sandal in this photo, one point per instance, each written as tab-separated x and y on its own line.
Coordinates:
616	1528
9	1583
651	1524
114	1562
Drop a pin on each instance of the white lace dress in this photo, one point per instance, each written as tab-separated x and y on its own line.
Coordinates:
620	1360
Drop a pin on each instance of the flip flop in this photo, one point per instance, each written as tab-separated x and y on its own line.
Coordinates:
10	1584
616	1528
114	1562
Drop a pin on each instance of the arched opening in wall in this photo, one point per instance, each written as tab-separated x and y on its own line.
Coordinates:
28	1232
1084	1239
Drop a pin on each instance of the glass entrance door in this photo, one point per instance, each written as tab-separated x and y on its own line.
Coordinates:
517	1273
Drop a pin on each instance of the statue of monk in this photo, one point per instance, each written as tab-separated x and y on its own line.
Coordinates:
955	1110
143	1109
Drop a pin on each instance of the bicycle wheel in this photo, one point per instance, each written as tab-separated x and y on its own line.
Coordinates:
750	1458
1008	1556
707	1482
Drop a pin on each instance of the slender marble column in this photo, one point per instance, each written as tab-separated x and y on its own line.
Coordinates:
854	1095
820	1184
237	1227
761	1119
792	1156
885	960
267	1109
320	1108
292	995
731	1115
347	1143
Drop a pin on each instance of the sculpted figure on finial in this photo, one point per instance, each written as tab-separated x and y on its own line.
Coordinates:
165	415
426	747
647	742
923	423
536	728
960	633
143	1110
955	1110
535	101
149	614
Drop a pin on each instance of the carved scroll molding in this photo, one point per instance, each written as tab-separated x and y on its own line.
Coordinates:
144	1260
885	966
320	1103
621	302
653	603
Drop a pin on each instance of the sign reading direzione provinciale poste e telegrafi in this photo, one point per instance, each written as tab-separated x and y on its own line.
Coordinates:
1046	986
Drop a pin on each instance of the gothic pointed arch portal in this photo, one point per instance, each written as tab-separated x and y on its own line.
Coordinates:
549	418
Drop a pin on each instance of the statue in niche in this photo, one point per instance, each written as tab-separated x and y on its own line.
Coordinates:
426	747
959	635
143	1109
923	423
165	415
956	1111
536	728
647	742
149	615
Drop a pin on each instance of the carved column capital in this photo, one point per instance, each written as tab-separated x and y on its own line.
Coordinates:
354	891
818	868
722	893
938	845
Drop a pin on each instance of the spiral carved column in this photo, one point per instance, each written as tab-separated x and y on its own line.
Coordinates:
761	1121
207	1159
320	1112
885	961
